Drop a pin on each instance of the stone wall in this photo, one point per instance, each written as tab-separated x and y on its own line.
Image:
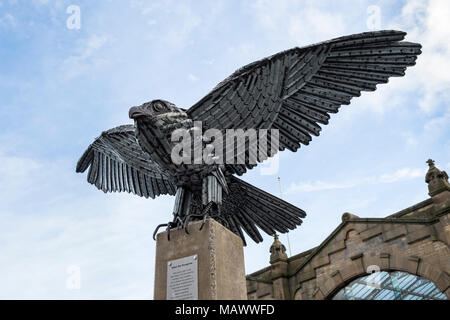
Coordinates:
414	240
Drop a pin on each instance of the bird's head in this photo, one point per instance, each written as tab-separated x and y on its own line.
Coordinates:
151	109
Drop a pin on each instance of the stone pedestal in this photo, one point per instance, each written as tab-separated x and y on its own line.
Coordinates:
221	272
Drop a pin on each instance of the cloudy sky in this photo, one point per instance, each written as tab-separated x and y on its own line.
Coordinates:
61	85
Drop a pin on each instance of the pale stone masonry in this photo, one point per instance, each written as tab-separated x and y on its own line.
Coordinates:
414	240
221	271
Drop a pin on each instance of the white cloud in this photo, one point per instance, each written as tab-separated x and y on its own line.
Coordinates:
8	21
40	2
411	139
178	34
88	56
433	129
192	78
399	175
317	186
16	173
427	23
209	61
243	53
436	126
288	20
46	226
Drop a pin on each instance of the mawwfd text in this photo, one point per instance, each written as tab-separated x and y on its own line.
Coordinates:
246	309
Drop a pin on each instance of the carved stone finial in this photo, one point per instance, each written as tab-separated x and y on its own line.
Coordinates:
347	216
277	250
436	179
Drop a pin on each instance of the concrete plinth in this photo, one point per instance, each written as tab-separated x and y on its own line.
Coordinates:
221	272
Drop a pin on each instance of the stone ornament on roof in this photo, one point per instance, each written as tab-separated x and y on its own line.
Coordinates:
277	250
436	179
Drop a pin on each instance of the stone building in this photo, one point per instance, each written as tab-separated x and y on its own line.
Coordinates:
403	256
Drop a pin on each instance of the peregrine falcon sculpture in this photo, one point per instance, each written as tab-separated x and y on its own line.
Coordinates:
283	97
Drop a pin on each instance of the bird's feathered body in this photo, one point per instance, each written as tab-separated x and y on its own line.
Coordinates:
292	92
154	132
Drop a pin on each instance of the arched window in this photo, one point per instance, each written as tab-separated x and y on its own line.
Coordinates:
394	285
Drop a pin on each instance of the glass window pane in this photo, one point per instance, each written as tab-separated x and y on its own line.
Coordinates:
394	285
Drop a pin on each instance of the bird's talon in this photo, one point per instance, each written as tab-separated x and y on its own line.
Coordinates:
157	228
186	225
203	221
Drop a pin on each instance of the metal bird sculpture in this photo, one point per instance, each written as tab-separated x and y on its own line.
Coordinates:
291	92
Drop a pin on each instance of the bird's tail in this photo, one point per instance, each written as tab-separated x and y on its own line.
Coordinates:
248	208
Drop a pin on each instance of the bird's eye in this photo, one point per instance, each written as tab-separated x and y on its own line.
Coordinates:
158	106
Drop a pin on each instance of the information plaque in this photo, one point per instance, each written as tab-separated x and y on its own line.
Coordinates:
182	279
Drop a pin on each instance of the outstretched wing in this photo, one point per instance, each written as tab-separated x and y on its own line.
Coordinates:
294	91
246	207
117	163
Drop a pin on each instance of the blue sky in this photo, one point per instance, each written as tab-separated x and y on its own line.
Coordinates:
61	87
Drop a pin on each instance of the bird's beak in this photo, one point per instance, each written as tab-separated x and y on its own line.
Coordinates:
136	112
